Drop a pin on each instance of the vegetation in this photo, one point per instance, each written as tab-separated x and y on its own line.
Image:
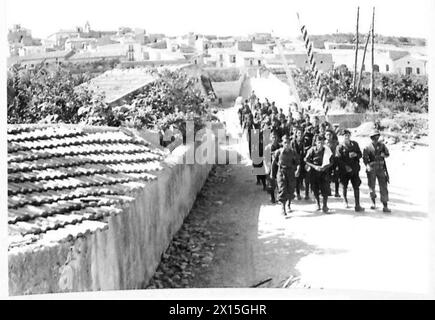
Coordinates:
92	69
221	75
394	92
43	94
350	38
54	95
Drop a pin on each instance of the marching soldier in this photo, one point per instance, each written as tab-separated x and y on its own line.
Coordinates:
298	145
348	156
269	152
333	172
252	99
248	125
374	159
308	143
285	167
319	159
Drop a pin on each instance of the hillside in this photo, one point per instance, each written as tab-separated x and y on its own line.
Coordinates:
319	40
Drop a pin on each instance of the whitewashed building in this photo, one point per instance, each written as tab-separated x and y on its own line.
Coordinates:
385	61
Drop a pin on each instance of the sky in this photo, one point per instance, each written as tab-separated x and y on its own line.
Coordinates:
222	17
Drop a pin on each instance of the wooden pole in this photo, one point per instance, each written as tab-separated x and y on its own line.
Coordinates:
362	63
372	79
356	52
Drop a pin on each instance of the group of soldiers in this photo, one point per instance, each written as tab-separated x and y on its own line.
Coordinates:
303	154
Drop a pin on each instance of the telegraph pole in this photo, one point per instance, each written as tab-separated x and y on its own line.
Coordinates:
362	63
356	52
372	80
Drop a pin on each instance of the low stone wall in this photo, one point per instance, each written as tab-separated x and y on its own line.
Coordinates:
126	254
350	120
228	91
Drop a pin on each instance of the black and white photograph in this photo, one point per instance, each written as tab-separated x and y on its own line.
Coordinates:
210	145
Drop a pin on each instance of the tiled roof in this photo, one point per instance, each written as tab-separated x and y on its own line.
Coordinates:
96	55
396	55
117	83
63	180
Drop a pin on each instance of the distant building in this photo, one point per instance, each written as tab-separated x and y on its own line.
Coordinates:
80	43
300	60
263	48
48	58
386	61
221	43
261	38
341	46
232	58
244	45
31	50
410	64
18	34
155	37
59	38
92	56
18	38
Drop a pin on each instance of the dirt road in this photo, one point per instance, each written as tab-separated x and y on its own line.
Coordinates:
244	239
344	250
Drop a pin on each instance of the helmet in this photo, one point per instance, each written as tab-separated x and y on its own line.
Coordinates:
374	133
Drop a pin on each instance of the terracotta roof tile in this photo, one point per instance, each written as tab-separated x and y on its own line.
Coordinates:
64	180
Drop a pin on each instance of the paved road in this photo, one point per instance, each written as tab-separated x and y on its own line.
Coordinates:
344	250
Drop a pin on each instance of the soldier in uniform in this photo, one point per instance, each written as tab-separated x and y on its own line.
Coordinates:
333	172
316	124
318	170
285	167
308	143
374	159
298	145
269	152
348	155
248	125
252	99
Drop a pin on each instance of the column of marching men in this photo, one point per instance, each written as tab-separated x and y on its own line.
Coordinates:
304	155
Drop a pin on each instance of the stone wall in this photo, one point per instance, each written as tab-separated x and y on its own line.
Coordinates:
350	120
126	254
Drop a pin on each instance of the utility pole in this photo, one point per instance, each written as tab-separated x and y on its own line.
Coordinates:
291	82
372	79
356	52
362	63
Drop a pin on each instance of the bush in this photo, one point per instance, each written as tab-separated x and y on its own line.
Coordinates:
222	75
42	95
170	101
49	95
401	93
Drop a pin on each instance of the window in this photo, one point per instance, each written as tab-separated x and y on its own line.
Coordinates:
375	68
259	62
418	71
221	57
321	61
408	70
387	68
233	59
409	62
250	62
364	67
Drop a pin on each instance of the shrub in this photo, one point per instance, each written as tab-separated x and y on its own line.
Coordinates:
399	92
42	95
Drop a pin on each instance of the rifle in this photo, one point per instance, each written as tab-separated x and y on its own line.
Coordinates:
387	176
